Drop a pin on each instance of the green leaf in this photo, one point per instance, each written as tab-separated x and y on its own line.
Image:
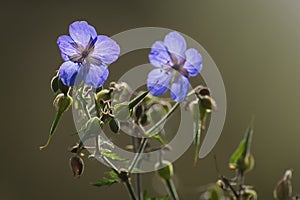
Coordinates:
108	181
108	154
105	182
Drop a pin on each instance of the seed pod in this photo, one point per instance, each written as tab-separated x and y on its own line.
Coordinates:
165	170
77	166
114	125
62	102
283	189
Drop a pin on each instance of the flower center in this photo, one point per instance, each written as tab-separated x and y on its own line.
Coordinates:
85	53
180	69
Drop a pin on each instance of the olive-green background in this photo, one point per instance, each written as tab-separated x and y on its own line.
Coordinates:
255	44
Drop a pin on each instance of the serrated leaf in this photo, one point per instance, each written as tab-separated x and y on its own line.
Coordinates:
108	154
113	175
105	182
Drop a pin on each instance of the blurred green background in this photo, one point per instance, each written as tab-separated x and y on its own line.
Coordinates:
255	44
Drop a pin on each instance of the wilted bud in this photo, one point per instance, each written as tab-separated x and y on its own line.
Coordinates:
121	111
77	166
283	190
62	102
165	170
54	83
114	125
104	94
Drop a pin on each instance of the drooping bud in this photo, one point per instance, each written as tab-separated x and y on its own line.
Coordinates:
164	169
283	190
62	102
114	125
77	166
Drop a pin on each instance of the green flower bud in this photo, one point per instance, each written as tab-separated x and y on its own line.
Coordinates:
283	190
121	111
77	166
114	125
62	102
165	170
104	94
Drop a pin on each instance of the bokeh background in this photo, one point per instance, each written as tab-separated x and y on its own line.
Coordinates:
255	44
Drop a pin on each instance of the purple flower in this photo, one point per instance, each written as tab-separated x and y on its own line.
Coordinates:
86	55
175	64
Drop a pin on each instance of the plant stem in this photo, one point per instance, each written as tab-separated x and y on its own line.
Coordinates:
171	189
130	190
150	133
111	165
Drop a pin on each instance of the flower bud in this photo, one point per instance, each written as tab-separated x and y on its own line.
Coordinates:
121	111
114	125
208	103
103	95
165	170
62	102
283	189
77	166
